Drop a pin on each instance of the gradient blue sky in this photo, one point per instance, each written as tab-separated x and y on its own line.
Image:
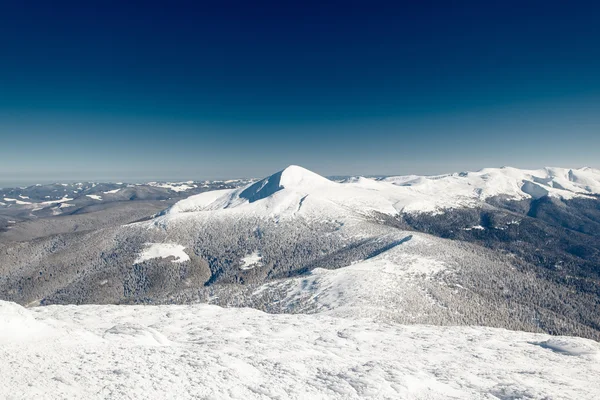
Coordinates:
190	90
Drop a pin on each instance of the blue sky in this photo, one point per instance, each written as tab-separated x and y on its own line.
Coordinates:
193	90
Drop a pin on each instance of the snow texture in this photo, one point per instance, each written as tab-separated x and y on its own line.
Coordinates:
296	191
163	250
203	351
251	260
375	288
19	202
176	187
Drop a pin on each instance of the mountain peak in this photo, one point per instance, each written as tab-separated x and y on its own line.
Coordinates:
296	176
293	177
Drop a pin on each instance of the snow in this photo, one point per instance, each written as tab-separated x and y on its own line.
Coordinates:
475	227
163	250
19	202
112	191
346	344
375	288
251	260
293	178
18	324
94	196
296	191
470	188
63	200
41	205
199	201
202	351
569	347
176	187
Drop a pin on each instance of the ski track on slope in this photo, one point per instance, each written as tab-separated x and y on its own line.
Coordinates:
202	351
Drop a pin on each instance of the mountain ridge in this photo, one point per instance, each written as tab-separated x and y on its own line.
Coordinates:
393	195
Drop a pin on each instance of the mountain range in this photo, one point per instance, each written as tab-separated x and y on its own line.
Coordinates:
465	285
503	247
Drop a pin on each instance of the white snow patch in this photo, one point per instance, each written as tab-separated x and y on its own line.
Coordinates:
251	260
163	250
63	200
94	196
475	227
176	187
112	191
19	202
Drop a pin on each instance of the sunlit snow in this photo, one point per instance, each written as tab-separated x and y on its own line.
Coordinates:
202	351
176	187
251	260
163	250
20	202
297	191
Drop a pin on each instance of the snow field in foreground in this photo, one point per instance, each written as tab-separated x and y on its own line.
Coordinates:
202	351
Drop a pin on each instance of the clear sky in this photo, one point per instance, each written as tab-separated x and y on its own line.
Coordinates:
126	90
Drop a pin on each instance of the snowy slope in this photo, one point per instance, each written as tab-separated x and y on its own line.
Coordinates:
294	191
470	188
385	287
298	222
201	351
297	191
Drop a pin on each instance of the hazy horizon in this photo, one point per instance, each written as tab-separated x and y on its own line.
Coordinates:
26	182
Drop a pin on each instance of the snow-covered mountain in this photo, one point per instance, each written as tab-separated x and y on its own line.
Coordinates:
296	190
302	243
470	188
341	263
297	242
